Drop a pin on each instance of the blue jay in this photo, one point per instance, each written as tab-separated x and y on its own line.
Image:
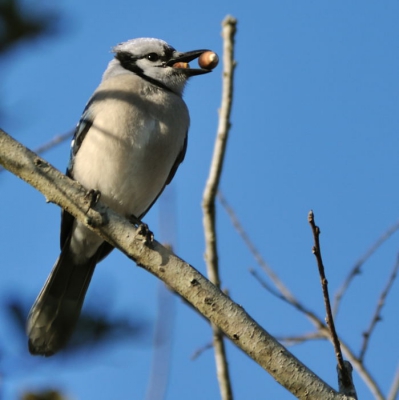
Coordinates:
128	144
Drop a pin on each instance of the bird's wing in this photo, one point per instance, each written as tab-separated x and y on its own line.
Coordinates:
172	173
81	130
83	126
178	161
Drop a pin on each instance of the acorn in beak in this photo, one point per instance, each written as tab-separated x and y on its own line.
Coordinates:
181	61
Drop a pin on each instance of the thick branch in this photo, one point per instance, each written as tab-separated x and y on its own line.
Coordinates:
180	276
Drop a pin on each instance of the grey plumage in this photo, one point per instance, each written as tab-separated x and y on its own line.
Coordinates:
128	145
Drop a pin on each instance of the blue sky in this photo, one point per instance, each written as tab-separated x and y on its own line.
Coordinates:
314	126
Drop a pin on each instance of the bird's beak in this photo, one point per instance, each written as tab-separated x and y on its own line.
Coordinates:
181	60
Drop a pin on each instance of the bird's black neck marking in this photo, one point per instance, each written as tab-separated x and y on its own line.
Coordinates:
129	62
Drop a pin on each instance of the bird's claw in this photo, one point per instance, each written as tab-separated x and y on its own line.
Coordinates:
93	197
142	229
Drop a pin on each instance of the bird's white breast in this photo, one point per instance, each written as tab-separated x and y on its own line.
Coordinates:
134	141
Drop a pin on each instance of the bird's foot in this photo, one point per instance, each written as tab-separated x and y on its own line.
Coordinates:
93	197
142	229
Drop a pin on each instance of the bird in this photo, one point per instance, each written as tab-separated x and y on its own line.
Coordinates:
127	146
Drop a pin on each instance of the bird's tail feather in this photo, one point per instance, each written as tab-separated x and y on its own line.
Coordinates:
57	308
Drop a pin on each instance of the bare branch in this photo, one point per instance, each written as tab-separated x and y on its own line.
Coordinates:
345	378
282	292
343	375
288	297
290	300
323	331
208	203
159	375
231	318
299	339
254	251
201	350
356	270
377	314
162	344
393	393
363	372
57	139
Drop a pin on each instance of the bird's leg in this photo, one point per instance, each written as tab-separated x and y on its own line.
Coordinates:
93	197
142	228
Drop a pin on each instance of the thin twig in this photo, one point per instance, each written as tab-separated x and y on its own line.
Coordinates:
57	139
201	350
281	291
377	314
324	331
345	377
317	322
162	344
393	392
166	308
285	292
208	203
294	302
299	339
54	142
356	270
290	299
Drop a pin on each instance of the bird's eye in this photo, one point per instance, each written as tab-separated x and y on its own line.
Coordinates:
152	57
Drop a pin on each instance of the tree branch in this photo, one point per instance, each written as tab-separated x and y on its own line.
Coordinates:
377	313
231	318
56	140
356	269
254	251
393	392
208	202
284	294
344	368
